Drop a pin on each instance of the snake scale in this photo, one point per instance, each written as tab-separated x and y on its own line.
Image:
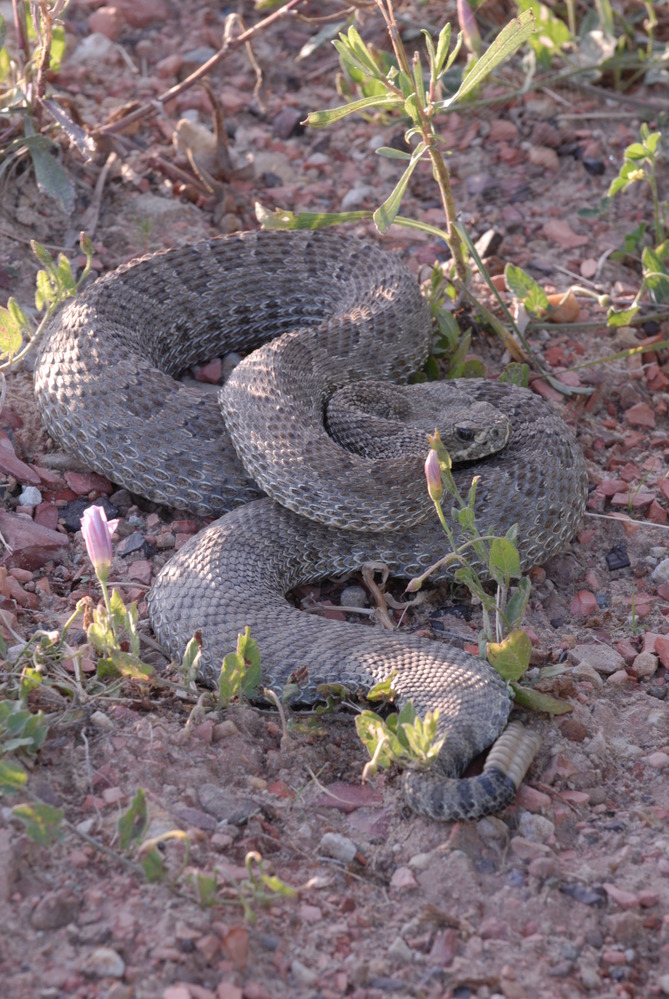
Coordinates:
318	314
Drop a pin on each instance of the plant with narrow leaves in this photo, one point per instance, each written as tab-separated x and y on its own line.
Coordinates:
502	641
30	114
400	737
55	284
240	672
413	90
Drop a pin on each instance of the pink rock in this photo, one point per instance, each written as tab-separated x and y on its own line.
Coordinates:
349	797
11	465
531	799
611	956
658	760
210	372
559	231
648	898
32	544
109	21
584	603
141	13
661	648
625	899
47	476
403	878
46	514
83	483
140	570
640	415
444	948
619	678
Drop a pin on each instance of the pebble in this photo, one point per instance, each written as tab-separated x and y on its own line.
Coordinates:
30	496
658	760
55	909
338	847
602	658
103	962
32	545
302	974
399	950
663	982
645	664
526	849
403	878
536	827
353	596
625	899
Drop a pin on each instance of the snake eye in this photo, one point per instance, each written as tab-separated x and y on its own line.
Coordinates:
464	434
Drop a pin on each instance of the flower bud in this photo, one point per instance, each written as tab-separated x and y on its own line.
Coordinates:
435	486
97	532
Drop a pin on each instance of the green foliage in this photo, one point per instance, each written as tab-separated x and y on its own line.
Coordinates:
22	98
55	283
20	728
241	671
640	165
43	823
475	557
401	737
114	636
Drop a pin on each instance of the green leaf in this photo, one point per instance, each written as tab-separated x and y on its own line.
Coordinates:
11	338
517	602
384	691
635	152
516	373
12	776
51	176
443	45
276	885
655	276
281	219
319	119
623	318
134	822
392	154
526	289
511	657
419	83
504	560
153	865
385	214
509	39
247	648
536	701
57	50
353	47
43	823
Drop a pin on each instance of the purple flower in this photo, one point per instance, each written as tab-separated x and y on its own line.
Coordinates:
97	532
435	486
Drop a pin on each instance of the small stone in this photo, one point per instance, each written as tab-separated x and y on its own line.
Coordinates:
532	800
573	729
30	496
526	849
83	483
543	867
108	21
302	974
102	722
353	596
32	545
602	658
584	603
645	664
403	878
338	847
648	898
210	372
103	962
166	540
663	982
400	951
658	760
131	544
54	910
660	573
640	415
142	13
536	827
619	678
625	899
140	571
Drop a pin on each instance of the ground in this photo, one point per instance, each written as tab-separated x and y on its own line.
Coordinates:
567	892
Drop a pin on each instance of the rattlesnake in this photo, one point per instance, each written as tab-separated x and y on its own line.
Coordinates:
323	310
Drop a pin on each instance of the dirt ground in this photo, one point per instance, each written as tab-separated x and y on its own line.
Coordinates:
564	894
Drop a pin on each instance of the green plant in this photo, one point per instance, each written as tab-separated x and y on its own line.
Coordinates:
401	737
55	283
27	113
502	641
240	671
403	87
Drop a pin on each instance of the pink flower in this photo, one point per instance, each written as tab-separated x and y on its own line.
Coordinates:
435	486
97	532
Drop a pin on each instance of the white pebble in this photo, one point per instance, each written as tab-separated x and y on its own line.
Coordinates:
30	496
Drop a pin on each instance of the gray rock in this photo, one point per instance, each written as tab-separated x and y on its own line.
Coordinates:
103	962
660	573
338	847
353	596
602	658
30	496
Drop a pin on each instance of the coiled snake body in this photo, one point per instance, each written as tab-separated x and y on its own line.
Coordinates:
320	311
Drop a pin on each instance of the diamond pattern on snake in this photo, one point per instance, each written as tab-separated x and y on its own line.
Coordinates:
332	328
